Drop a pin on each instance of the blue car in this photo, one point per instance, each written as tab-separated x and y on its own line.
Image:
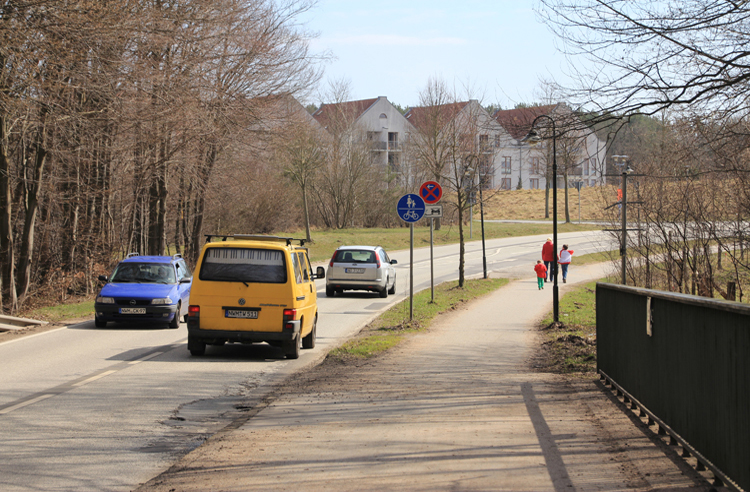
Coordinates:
145	288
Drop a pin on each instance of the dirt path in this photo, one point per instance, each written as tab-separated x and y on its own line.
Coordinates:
455	408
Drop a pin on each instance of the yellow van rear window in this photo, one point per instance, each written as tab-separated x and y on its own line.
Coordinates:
243	265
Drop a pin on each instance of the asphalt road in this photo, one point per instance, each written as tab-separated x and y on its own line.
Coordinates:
83	408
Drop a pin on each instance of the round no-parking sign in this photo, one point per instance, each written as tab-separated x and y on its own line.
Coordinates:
431	192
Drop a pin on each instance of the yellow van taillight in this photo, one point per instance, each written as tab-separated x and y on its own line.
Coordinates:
194	311
289	315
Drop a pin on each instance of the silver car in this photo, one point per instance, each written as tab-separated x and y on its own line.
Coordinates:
361	268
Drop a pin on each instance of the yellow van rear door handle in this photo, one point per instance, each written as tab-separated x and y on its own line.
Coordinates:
301	298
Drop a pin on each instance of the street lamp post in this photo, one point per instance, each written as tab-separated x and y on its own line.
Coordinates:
622	162
533	138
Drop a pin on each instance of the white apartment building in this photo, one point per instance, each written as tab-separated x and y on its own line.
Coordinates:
580	153
384	126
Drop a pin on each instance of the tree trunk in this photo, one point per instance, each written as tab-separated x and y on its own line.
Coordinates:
32	207
7	280
306	212
209	159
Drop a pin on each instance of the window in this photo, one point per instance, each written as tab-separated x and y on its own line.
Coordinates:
586	167
486	172
497	141
534	183
506	165
354	256
297	269
303	265
593	182
505	184
592	168
243	265
484	143
394	163
536	167
392	140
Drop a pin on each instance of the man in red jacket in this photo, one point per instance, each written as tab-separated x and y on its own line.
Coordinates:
548	257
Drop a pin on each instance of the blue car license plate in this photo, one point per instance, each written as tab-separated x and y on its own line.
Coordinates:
132	310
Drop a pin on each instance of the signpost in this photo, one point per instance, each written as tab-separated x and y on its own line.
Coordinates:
410	209
432	192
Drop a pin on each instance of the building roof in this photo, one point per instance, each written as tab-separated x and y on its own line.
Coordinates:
329	113
420	116
518	121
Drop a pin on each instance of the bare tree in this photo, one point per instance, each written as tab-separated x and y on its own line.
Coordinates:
349	168
299	152
656	55
450	147
112	116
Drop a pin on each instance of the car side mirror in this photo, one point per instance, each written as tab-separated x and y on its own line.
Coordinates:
320	272
186	280
103	278
394	262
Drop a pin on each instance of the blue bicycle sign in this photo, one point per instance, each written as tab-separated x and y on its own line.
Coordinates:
410	207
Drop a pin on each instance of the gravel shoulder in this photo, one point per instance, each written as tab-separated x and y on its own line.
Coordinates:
457	407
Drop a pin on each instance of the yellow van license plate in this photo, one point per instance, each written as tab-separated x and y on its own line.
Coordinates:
240	313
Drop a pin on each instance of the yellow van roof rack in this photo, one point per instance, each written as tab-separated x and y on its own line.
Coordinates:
256	237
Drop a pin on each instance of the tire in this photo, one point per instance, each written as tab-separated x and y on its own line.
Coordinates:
292	348
384	293
185	318
100	324
309	341
175	323
330	292
392	290
196	347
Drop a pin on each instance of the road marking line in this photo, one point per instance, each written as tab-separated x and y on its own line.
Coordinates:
150	356
26	403
94	378
21	339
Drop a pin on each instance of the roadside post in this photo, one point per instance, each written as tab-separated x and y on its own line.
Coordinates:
431	192
410	208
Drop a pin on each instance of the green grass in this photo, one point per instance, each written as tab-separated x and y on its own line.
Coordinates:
55	314
390	327
603	256
570	347
325	242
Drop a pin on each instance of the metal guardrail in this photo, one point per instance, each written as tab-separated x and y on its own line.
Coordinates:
10	323
685	361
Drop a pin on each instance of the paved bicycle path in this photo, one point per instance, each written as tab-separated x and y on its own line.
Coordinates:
455	408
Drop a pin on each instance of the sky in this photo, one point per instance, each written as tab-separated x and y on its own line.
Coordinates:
499	49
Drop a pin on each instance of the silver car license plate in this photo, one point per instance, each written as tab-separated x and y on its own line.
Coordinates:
132	310
240	313
354	270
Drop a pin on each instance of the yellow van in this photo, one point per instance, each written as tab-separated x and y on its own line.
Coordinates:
251	289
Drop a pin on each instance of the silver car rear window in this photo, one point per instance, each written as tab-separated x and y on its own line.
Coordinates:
354	256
